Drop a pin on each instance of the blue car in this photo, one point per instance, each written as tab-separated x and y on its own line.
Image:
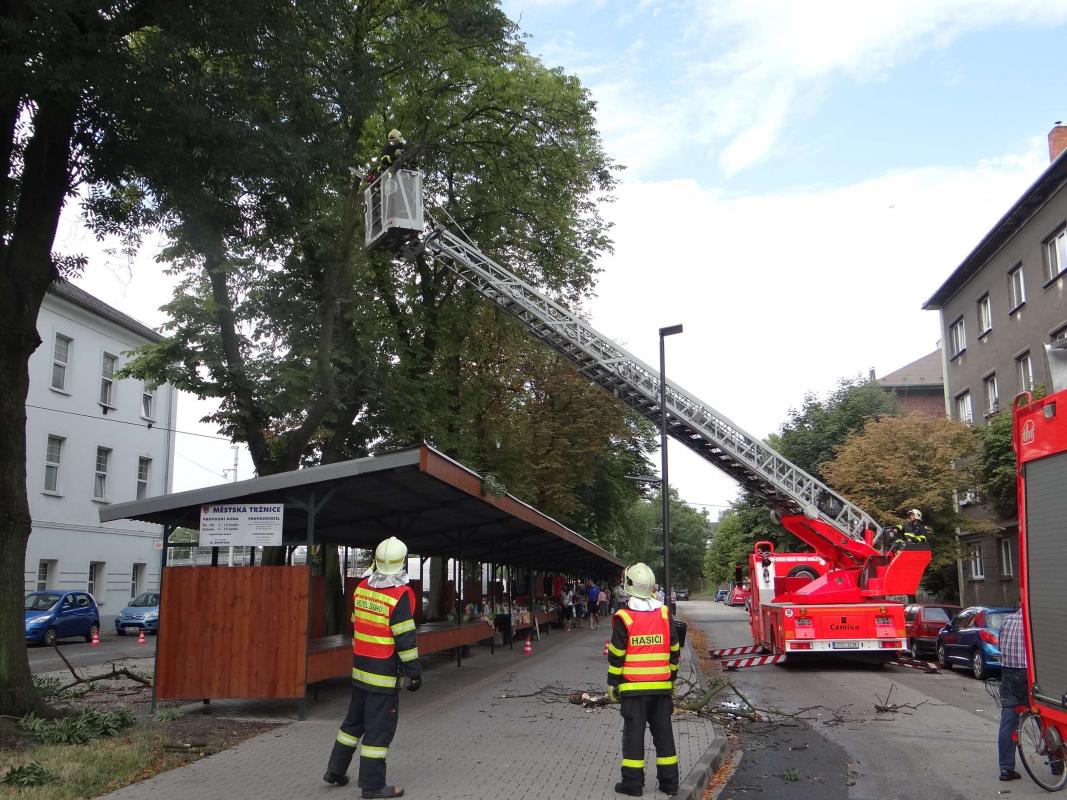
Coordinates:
142	614
972	639
54	615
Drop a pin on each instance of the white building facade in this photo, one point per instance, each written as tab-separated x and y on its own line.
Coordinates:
92	439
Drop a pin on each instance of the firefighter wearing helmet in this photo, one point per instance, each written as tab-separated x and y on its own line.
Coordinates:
393	150
642	665
384	648
914	532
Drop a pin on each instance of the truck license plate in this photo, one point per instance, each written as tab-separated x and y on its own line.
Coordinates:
845	645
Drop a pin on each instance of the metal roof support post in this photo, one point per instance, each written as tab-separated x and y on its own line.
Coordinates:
459	598
167	531
214	556
507	594
310	508
491	594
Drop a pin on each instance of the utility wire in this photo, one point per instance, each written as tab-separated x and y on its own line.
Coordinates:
135	424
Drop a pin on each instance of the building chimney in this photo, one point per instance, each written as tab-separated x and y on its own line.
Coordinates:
1057	140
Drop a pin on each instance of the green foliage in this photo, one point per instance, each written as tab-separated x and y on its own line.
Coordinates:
77	729
50	689
167	714
997	468
492	486
30	774
813	433
690	531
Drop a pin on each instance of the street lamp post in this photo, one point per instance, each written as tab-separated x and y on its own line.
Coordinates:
664	489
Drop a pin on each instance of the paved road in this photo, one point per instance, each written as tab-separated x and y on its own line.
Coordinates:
943	750
81	654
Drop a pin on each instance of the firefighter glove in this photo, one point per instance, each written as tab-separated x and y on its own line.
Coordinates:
414	683
613	694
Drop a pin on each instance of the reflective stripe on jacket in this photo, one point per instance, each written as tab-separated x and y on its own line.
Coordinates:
383	641
643	653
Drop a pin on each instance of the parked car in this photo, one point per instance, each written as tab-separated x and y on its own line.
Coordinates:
739	596
922	623
142	613
54	615
972	639
681	593
721	595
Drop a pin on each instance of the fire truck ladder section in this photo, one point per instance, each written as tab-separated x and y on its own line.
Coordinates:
759	469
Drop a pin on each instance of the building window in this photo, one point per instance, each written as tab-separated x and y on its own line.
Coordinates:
148	400
103	456
136	580
144	467
96	577
1058	334
1016	288
1005	558
992	398
1056	254
44	574
60	361
957	338
1024	369
53	454
977	564
107	381
985	315
963	407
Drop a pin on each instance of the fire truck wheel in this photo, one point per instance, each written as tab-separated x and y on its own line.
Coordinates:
803	572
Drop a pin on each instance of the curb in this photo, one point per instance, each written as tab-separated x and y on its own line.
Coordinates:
694	784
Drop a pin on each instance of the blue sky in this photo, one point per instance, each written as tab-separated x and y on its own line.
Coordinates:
797	174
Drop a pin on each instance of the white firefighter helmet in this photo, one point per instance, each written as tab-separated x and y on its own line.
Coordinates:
395	135
916	513
639	581
390	556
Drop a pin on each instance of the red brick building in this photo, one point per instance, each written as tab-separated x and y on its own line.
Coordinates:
919	386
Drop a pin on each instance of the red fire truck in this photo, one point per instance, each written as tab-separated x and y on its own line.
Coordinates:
835	599
1040	440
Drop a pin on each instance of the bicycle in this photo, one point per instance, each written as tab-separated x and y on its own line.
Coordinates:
1041	749
992	687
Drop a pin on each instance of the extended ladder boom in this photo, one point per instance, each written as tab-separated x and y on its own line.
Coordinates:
758	468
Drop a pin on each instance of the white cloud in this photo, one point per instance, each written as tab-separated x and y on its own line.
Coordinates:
785	293
780	51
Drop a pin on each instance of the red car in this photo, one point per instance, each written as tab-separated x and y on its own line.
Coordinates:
739	596
922	623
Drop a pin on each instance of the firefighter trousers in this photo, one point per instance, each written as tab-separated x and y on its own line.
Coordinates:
654	711
369	725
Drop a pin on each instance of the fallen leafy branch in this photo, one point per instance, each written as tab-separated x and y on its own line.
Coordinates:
115	674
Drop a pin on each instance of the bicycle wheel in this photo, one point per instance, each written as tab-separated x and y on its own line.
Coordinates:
1042	752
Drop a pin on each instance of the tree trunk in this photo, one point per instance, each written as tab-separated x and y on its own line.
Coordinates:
335	590
438	576
26	272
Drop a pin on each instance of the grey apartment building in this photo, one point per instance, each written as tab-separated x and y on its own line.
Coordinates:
999	309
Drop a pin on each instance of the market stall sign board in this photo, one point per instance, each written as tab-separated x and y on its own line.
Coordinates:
241	525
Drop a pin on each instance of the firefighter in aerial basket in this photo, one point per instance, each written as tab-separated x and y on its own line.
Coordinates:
383	647
642	665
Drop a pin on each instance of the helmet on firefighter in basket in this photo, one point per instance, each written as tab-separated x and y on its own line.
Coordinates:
916	513
640	581
395	135
390	556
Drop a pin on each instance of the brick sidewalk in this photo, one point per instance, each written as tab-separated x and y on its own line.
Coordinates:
458	737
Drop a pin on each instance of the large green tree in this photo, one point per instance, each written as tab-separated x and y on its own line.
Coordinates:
72	82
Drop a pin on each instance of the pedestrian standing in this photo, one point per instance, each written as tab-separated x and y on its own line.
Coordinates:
602	601
642	666
383	648
592	601
566	602
1013	690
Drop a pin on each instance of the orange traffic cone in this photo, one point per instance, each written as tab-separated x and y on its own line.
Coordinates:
96	638
527	649
140	637
605	648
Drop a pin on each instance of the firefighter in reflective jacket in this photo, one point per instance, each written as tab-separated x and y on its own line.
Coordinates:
642	665
383	647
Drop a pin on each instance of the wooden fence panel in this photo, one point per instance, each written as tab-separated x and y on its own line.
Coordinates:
232	632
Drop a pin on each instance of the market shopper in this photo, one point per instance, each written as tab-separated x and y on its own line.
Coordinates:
566	603
592	592
642	666
384	648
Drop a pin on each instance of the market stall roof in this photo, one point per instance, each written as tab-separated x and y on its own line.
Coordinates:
433	503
